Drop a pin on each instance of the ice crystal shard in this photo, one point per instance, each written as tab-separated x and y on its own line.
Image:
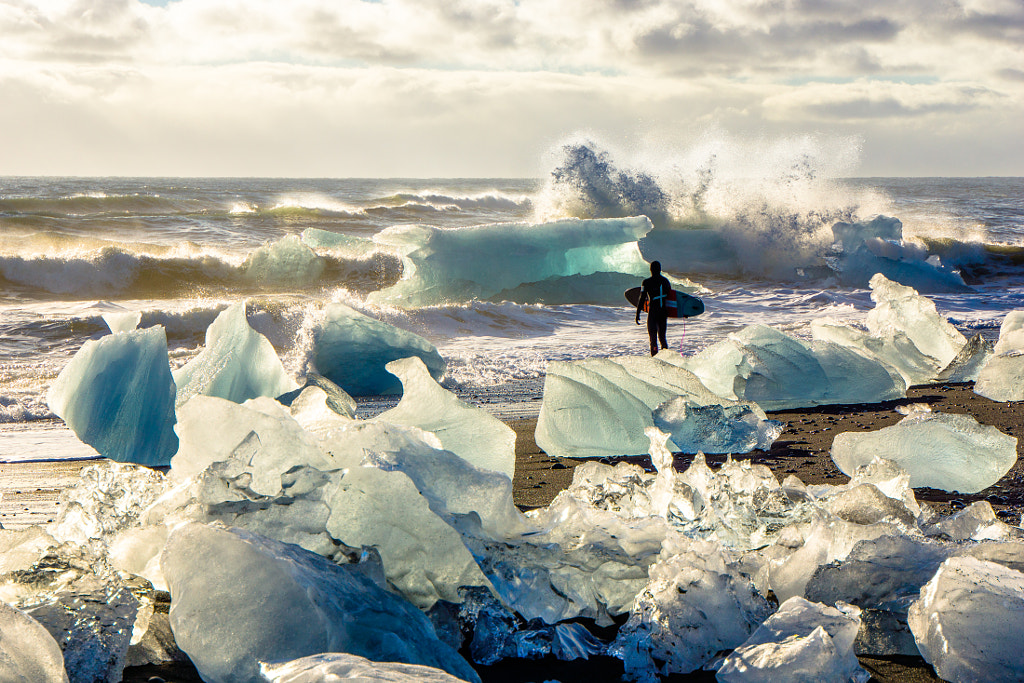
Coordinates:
237	364
117	395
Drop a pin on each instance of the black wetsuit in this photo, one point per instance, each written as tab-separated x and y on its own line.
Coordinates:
655	289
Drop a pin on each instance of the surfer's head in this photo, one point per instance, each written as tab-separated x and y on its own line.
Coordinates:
655	267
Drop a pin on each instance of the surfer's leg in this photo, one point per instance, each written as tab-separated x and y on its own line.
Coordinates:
652	331
663	329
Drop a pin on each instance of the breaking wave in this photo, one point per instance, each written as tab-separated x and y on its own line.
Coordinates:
725	208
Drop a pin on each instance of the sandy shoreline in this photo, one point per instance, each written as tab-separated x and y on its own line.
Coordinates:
31	490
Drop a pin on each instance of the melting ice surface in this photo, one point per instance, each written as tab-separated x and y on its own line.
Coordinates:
486	261
1002	377
942	451
352	351
117	394
238	363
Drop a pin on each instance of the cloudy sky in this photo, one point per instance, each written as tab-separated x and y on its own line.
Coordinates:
431	88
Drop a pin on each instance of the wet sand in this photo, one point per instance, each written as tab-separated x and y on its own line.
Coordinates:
31	490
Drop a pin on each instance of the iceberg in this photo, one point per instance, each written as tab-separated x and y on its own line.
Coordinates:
603	406
237	364
122	321
942	451
715	428
118	395
286	262
442	265
900	309
342	667
471	433
968	621
214	429
695	605
86	606
779	372
352	351
1002	377
239	599
28	653
896	351
803	641
968	363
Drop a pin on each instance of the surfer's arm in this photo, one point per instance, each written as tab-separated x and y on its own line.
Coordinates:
640	304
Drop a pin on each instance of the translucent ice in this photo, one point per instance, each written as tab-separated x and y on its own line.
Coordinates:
877	246
122	321
715	428
117	395
471	433
336	667
239	598
968	363
237	364
213	429
779	372
976	522
88	608
901	309
1002	377
445	264
803	641
285	262
894	350
968	621
28	653
942	451
603	407
695	605
352	351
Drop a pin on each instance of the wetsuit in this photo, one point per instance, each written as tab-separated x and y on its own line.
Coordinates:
655	289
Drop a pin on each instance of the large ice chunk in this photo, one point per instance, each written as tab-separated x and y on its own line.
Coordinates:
943	451
286	262
239	598
212	429
338	667
452	264
603	406
1002	378
352	350
71	590
779	372
471	433
803	641
895	350
877	246
237	364
117	394
901	309
695	605
968	621
28	653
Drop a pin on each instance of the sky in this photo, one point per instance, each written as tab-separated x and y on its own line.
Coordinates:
478	88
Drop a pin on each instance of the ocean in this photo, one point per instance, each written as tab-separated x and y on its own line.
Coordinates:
759	247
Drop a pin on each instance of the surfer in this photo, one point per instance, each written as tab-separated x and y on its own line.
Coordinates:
655	289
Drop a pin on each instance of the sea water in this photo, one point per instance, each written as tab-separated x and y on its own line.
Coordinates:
180	250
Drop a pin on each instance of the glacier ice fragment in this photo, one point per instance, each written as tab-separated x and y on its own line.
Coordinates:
469	432
239	598
715	428
779	372
237	364
444	264
968	363
1002	377
695	605
336	667
803	641
286	262
122	321
944	451
28	653
902	309
117	394
968	621
352	350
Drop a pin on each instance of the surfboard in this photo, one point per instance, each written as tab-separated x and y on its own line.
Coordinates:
680	304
